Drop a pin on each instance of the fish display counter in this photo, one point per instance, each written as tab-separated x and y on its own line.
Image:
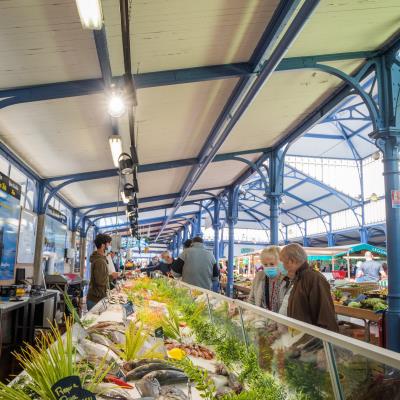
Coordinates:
162	339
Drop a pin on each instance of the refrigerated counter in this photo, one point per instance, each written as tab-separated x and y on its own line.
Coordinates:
322	364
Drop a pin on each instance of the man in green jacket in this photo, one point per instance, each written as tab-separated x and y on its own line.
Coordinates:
99	276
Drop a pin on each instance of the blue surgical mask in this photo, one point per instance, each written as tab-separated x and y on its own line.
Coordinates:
109	248
282	269
271	272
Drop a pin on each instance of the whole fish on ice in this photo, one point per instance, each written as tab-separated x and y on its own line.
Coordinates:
99	350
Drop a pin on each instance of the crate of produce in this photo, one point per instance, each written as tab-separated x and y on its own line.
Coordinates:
359	288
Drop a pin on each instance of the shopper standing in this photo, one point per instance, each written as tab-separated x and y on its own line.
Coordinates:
165	264
310	298
197	265
370	270
99	274
270	284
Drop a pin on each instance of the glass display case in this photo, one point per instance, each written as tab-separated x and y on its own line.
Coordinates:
315	362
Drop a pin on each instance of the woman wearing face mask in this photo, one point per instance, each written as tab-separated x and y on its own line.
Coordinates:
271	283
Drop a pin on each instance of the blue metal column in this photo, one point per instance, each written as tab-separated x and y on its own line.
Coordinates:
197	231
193	229
331	239
216	226
232	217
363	235
185	233
275	193
174	246
274	201
222	244
178	243
388	140
392	186
221	248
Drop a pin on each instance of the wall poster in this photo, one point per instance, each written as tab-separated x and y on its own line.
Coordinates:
27	237
10	195
55	236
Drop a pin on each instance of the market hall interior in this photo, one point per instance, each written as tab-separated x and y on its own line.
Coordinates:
247	123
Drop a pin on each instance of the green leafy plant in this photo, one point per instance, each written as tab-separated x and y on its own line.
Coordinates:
307	378
203	383
171	324
53	358
135	338
12	393
86	322
72	309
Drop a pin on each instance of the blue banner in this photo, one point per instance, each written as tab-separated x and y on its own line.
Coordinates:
10	193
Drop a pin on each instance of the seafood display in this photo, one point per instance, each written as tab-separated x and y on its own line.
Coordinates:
162	351
194	350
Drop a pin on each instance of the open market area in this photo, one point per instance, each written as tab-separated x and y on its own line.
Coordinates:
200	199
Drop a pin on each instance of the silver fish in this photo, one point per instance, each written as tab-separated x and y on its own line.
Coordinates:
116	336
149	387
167	377
100	339
171	393
99	350
143	370
109	391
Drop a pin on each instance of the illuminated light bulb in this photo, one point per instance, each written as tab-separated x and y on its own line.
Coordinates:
115	142
90	14
374	197
116	106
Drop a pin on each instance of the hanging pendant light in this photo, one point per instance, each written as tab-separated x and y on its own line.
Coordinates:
125	164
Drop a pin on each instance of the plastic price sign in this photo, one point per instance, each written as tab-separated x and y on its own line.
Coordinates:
159	333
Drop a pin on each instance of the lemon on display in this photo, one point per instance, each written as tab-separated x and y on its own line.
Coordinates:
176	354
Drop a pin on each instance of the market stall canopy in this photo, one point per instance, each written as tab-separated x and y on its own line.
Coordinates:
361	249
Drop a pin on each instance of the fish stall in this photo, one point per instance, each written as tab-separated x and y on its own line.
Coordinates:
161	339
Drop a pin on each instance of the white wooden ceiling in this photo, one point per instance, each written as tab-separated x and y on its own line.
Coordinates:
42	41
172	34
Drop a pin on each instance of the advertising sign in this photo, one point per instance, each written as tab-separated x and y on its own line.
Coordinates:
59	216
54	245
395	198
27	237
10	195
245	250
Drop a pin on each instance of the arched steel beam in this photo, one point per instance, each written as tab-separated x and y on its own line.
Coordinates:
354	83
255	168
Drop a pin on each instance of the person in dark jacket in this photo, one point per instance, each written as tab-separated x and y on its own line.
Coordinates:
99	276
187	243
310	298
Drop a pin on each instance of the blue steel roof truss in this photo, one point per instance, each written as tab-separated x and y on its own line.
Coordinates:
244	71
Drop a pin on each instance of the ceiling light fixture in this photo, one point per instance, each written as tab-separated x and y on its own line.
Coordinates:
128	193
116	105
376	156
125	164
90	14
116	148
374	197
